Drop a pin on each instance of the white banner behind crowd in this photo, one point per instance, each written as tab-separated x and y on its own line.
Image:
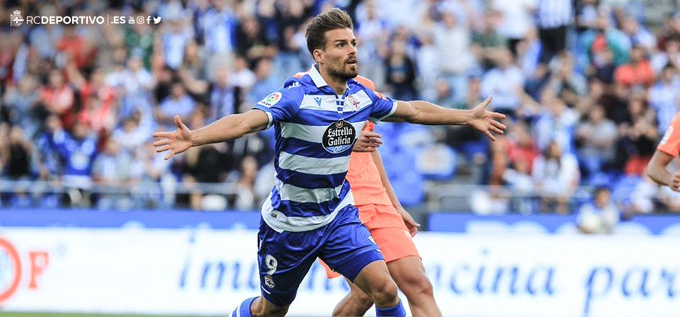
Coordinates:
208	271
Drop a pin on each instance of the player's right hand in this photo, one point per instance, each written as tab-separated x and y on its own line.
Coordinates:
176	141
675	181
367	142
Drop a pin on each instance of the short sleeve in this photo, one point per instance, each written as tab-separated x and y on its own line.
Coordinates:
279	106
383	107
670	143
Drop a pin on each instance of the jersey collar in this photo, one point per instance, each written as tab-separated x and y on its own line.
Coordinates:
317	79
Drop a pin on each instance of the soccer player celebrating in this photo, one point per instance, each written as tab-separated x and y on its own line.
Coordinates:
666	151
310	211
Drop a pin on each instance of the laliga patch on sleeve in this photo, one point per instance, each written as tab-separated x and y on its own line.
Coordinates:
270	100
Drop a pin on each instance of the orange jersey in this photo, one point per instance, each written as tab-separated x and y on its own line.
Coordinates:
364	178
670	143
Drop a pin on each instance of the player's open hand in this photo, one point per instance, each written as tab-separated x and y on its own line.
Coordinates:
176	141
486	121
367	142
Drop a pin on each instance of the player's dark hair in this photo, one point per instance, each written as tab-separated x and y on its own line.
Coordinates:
330	20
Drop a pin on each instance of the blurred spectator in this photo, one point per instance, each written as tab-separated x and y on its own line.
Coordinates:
488	42
552	18
638	137
516	19
599	216
178	103
205	164
638	72
555	122
664	96
246	198
400	72
505	82
452	38
78	150
264	83
58	98
21	106
112	170
596	142
637	34
603	40
668	55
556	177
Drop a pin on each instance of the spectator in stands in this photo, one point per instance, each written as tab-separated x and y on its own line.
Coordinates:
488	42
21	105
668	55
113	170
505	82
596	142
599	216
556	178
400	72
638	137
452	38
552	18
58	98
664	96
264	81
637	72
78	150
602	40
178	103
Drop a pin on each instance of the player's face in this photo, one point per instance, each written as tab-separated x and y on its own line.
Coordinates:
339	57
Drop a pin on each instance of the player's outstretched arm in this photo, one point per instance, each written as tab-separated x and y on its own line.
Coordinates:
225	129
423	112
656	170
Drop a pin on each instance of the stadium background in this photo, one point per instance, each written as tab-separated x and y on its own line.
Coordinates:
79	103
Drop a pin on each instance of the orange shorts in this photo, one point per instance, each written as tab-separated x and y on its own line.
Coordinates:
390	235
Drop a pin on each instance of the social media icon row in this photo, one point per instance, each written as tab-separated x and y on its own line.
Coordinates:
121	19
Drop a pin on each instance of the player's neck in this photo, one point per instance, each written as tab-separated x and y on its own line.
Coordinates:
339	85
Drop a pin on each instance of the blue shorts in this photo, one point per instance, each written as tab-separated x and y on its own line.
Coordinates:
285	258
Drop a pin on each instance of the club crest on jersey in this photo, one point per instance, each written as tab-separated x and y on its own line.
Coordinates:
270	100
353	102
338	137
269	281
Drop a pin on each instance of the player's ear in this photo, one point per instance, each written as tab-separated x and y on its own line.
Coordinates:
317	54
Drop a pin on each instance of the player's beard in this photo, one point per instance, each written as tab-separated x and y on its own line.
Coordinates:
345	71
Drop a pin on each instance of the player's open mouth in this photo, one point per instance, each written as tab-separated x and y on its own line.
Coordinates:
352	61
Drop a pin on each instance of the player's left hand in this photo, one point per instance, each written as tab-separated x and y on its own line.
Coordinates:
410	223
367	142
485	121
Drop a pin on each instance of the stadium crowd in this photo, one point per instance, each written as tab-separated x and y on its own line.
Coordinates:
588	86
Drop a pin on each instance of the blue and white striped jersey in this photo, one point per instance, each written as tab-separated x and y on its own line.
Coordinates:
315	130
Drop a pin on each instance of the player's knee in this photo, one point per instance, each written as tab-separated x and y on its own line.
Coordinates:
385	293
361	298
415	284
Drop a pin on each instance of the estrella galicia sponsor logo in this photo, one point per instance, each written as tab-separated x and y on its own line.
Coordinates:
15	18
270	100
338	137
